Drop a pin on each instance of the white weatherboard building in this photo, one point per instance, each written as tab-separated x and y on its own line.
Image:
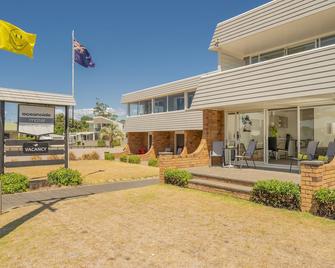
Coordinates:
275	82
90	137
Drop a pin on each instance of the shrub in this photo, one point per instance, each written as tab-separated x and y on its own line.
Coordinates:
14	183
124	158
64	176
153	162
109	156
90	156
279	194
324	200
116	143
72	156
101	143
177	177
134	159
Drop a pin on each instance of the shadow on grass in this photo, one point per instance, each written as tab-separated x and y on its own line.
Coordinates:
45	204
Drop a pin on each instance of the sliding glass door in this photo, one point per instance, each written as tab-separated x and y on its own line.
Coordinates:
241	128
282	140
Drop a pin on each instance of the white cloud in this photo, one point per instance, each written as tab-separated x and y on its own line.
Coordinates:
78	113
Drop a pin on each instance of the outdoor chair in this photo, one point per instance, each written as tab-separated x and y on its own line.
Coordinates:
217	151
310	154
285	150
248	154
272	144
329	154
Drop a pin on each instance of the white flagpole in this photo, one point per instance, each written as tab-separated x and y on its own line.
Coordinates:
73	72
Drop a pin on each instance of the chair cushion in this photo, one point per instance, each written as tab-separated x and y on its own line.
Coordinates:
302	157
323	158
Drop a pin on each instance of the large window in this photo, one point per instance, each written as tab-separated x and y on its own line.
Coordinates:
145	107
300	48
272	55
176	102
133	109
160	105
190	96
327	41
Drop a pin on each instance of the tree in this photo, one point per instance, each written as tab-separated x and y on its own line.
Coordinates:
101	109
111	133
59	124
74	126
86	118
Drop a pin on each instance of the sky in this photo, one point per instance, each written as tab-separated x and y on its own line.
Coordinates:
134	44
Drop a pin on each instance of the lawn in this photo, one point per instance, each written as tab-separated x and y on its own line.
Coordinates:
95	171
163	226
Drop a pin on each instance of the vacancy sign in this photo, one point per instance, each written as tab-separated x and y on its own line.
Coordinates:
36	120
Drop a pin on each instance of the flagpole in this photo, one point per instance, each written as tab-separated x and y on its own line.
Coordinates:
72	72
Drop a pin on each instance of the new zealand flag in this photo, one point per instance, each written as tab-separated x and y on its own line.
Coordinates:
82	56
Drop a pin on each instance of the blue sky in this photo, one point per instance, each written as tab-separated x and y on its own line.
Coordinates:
135	44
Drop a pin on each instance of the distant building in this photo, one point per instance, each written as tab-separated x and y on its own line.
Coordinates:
90	137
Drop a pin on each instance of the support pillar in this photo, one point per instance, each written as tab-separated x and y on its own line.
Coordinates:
2	137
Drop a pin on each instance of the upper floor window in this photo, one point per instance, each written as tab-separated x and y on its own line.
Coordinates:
190	96
246	60
272	55
133	108
327	41
177	102
300	48
254	59
160	105
145	107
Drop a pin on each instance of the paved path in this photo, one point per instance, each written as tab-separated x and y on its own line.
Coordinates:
21	199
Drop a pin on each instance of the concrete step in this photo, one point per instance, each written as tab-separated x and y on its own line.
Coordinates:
215	178
215	185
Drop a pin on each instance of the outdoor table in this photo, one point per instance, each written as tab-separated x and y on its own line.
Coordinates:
230	149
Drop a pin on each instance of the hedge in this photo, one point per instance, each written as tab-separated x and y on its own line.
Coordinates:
177	177
109	156
14	183
279	194
64	176
153	162
124	158
324	200
101	143
134	159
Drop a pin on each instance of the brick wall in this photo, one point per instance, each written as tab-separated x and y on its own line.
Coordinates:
314	176
192	141
212	131
136	140
162	140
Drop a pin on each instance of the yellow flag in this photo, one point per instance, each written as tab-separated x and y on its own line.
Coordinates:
16	40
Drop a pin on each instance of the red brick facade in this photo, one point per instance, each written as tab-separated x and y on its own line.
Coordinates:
213	130
314	176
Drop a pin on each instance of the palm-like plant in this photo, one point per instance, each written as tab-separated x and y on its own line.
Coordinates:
111	133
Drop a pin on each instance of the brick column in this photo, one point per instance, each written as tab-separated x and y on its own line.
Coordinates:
314	176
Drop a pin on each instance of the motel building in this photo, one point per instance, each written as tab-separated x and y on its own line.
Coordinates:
274	84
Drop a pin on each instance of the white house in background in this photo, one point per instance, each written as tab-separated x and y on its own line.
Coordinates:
90	137
274	84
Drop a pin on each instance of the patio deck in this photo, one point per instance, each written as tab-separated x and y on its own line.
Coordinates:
235	180
245	174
